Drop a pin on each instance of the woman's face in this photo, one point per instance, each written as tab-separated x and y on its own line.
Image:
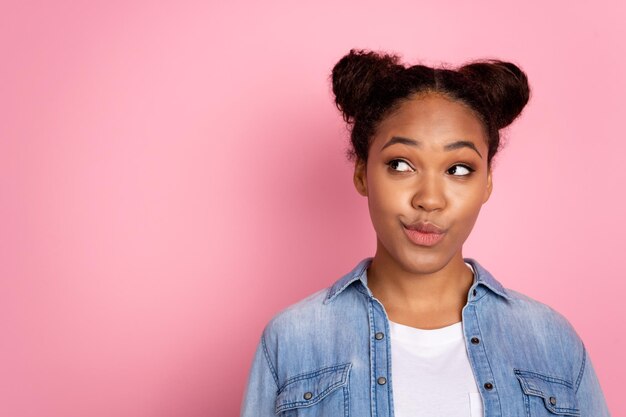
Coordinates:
427	163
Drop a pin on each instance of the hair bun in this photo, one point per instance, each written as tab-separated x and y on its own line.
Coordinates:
354	76
504	85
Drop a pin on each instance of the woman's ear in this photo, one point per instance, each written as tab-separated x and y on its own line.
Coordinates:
489	187
360	177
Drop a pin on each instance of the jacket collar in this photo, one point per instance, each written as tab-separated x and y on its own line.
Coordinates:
359	273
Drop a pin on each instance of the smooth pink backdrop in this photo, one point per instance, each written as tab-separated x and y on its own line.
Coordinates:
173	174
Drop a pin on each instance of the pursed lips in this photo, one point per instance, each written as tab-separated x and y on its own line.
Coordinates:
423	233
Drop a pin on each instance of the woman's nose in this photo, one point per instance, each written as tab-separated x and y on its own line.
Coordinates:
428	195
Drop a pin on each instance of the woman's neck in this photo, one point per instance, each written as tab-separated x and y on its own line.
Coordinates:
423	300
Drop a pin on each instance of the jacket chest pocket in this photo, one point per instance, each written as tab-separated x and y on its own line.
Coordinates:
547	396
323	392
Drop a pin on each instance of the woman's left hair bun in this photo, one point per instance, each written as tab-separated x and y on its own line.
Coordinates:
354	76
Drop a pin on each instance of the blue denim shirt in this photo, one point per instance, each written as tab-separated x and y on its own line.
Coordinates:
330	355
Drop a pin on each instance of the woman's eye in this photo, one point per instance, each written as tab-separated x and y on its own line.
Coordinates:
400	165
460	170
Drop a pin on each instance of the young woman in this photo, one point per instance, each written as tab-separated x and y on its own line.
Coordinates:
419	330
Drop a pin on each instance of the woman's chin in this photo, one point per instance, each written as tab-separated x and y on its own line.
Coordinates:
423	262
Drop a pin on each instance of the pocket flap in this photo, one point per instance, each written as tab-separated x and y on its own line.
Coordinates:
310	388
558	394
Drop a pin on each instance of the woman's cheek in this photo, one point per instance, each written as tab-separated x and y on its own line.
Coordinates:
468	217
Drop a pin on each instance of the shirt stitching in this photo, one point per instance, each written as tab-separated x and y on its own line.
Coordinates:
582	368
269	362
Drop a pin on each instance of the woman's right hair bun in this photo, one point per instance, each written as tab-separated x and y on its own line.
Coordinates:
504	86
354	76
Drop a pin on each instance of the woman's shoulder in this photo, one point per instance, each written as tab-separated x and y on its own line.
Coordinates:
520	313
528	307
325	311
531	319
300	310
309	319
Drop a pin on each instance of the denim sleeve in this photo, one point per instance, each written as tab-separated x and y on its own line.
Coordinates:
259	399
589	394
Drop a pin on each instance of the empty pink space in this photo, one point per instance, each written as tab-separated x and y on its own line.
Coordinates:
173	174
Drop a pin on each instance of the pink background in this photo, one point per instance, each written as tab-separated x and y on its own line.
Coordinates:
172	175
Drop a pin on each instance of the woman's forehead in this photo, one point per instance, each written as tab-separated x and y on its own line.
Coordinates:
431	119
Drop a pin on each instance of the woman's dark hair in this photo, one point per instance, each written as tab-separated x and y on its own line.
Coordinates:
369	85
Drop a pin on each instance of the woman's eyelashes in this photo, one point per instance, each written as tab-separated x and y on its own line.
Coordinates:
460	170
457	170
400	165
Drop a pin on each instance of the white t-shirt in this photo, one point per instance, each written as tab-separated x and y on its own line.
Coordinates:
431	373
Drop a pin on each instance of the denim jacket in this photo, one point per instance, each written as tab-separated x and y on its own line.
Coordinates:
329	355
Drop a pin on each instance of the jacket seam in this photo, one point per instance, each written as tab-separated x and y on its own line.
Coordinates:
389	365
582	368
346	400
487	357
269	362
374	400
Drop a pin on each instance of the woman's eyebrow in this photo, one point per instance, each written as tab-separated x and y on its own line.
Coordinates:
416	143
461	144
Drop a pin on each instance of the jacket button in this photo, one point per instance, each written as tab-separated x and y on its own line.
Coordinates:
379	336
475	340
381	380
308	395
553	400
488	386
474	293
